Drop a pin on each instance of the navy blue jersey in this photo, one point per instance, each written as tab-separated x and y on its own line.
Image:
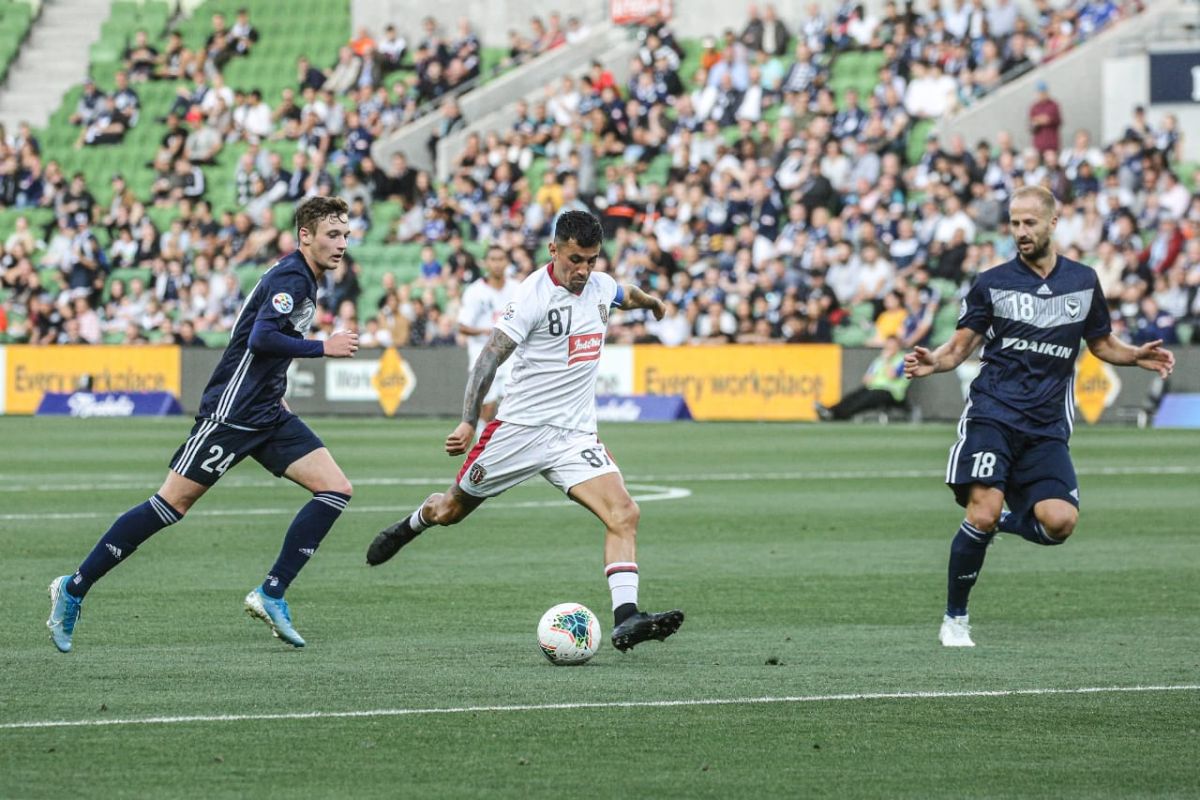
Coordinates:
246	388
1033	327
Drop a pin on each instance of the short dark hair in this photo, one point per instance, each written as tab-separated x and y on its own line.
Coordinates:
310	212
582	226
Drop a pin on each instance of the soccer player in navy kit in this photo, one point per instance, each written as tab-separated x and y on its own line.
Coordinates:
1030	314
243	414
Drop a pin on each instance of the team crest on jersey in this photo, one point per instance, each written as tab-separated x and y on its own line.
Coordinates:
603	313
282	302
510	311
1073	307
477	474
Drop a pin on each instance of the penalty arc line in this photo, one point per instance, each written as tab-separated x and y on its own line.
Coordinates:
732	701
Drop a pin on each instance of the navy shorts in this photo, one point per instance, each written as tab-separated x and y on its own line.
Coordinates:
1027	468
213	448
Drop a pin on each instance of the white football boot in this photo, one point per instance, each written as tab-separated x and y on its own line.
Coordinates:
955	632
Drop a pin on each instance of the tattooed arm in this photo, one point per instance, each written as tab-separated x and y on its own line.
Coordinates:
636	298
495	353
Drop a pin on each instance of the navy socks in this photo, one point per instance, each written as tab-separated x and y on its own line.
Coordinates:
130	530
966	559
303	537
1027	527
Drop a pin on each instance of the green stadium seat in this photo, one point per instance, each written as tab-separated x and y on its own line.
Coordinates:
850	336
944	323
248	277
916	139
214	338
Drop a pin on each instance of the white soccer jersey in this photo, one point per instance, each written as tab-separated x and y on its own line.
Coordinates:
559	338
482	305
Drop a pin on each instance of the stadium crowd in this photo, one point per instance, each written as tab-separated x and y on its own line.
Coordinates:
762	204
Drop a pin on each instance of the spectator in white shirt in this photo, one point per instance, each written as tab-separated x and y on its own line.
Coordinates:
930	92
953	219
563	105
843	275
1080	151
576	30
876	275
1174	198
391	50
253	118
957	18
673	329
217	90
1002	18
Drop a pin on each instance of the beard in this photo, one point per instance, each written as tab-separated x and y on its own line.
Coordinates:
1040	249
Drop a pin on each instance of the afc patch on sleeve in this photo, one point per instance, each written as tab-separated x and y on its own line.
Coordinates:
510	312
962	308
282	302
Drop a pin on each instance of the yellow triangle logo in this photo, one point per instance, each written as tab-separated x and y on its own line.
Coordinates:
1096	386
393	381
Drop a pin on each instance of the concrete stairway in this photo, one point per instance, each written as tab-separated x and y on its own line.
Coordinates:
54	59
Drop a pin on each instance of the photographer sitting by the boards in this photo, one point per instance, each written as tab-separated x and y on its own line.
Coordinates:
884	386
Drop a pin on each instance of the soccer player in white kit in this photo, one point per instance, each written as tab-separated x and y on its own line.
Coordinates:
482	304
547	421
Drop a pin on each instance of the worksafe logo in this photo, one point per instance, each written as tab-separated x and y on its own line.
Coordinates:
394	381
1096	386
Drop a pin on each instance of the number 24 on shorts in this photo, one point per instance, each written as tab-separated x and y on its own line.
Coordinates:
211	463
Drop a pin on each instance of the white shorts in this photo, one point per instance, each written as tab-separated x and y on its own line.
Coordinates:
507	454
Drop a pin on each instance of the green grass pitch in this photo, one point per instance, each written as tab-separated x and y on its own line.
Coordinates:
810	561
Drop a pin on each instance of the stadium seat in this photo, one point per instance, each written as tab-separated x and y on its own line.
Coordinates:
16	17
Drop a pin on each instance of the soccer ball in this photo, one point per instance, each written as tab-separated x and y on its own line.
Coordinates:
569	634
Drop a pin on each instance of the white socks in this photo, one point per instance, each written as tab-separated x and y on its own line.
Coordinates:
622	582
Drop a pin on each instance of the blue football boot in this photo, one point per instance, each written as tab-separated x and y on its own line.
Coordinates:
65	609
275	613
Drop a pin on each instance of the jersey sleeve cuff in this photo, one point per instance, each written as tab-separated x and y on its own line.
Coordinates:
510	332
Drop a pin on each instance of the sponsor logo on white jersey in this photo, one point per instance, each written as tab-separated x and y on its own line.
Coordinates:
1044	289
1044	348
584	347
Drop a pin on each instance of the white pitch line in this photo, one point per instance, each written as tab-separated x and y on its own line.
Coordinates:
47	483
716	701
640	492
